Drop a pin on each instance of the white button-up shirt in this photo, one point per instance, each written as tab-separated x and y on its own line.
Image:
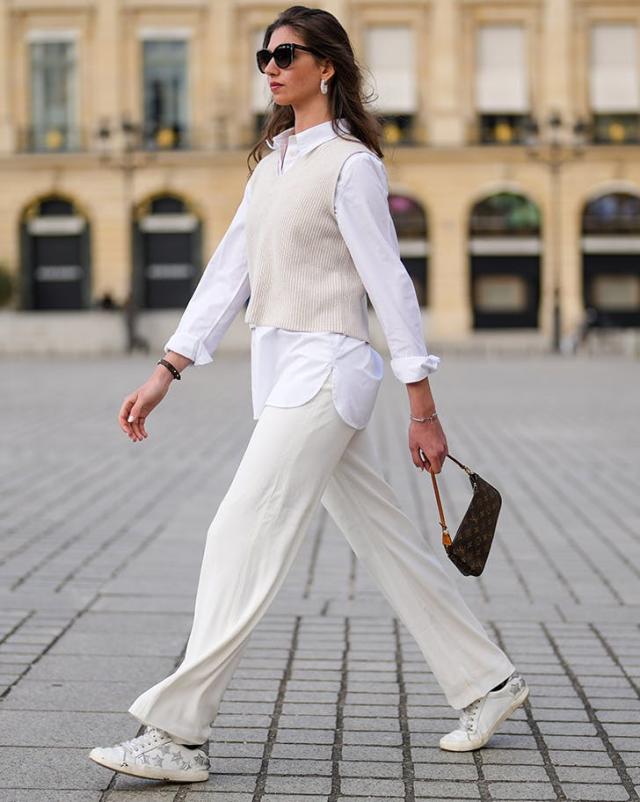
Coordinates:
289	367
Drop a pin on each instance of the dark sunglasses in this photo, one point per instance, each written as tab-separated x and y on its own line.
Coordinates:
283	55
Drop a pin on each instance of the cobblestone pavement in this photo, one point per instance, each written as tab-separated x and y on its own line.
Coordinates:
101	546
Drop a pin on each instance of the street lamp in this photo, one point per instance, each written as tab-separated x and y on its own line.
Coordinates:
119	146
558	145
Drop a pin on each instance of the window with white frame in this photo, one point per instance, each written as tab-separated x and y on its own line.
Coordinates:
501	81
614	70
53	91
390	55
614	82
165	89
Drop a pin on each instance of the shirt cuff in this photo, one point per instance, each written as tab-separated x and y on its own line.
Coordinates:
188	346
414	368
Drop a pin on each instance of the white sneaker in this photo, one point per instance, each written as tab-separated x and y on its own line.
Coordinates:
480	719
156	756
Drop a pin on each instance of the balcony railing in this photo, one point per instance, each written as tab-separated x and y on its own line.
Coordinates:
54	139
514	129
161	136
615	129
398	129
151	136
499	129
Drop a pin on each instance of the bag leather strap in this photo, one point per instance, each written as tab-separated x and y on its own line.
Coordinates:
446	537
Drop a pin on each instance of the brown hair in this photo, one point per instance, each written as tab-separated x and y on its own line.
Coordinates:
322	31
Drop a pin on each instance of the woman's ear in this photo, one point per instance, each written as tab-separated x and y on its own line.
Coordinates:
328	70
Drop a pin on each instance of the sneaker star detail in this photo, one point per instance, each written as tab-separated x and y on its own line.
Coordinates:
480	719
156	756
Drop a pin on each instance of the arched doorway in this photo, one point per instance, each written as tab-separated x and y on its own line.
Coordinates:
167	252
55	255
611	259
411	227
504	256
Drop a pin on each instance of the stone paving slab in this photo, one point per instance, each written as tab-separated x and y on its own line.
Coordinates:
100	548
48	695
38	795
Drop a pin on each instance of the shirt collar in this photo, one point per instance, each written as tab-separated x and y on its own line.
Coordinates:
309	138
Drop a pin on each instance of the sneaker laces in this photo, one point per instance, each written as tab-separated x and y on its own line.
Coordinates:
468	715
145	739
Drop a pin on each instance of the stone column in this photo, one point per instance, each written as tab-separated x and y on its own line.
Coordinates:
449	308
445	119
6	124
571	298
108	57
560	266
555	54
111	224
223	72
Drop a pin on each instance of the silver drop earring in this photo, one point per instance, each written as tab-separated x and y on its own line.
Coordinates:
323	87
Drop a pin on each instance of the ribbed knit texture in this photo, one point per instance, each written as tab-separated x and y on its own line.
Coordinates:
301	273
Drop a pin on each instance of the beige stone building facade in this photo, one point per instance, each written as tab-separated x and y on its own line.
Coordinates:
513	150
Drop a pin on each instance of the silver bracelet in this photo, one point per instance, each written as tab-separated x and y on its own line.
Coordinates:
428	419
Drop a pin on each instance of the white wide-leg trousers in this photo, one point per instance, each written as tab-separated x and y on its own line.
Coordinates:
297	457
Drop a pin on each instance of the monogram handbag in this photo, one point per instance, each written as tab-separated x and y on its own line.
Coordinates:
469	549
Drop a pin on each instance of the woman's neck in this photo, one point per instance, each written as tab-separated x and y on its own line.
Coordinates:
311	115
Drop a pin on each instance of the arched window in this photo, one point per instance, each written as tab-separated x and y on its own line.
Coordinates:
505	214
614	213
504	255
55	255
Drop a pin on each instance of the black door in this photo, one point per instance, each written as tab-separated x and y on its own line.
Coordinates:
611	287
169	269
166	253
58	274
505	291
55	256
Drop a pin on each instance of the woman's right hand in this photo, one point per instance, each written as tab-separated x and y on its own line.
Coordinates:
139	404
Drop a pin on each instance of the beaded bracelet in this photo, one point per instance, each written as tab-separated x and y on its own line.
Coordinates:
171	368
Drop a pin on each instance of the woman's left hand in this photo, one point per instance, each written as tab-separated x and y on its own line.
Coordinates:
428	445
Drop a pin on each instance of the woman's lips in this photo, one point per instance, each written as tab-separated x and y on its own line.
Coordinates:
275	86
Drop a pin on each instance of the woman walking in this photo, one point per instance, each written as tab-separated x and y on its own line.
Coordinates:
311	239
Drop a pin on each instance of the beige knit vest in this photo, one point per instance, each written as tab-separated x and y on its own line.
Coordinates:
301	274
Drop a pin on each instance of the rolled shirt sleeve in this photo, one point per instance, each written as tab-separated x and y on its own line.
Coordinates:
219	296
365	222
